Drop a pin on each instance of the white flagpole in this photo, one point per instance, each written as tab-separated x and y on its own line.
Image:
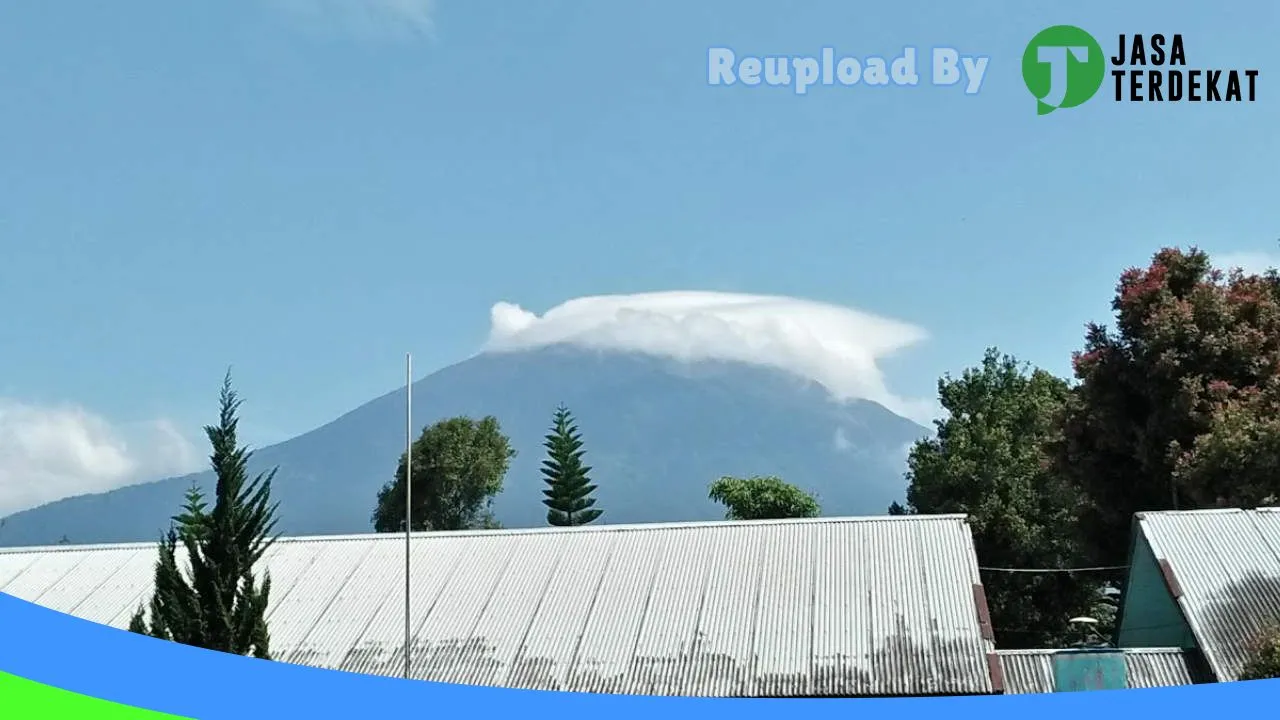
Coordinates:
408	497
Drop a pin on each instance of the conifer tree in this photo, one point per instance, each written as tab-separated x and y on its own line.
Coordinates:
569	488
218	603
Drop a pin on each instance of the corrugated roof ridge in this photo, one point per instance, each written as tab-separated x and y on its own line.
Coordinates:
1251	514
1207	511
1126	651
627	527
1179	513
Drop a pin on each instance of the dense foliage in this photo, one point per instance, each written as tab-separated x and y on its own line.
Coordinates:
459	465
218	603
987	460
762	498
568	493
1176	407
1264	656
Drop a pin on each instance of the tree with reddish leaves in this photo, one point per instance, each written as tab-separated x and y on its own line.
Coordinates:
1177	407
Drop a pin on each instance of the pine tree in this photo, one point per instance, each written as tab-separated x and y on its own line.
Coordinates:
217	604
191	520
569	489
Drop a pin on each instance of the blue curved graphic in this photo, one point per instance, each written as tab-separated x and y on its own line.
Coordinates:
77	656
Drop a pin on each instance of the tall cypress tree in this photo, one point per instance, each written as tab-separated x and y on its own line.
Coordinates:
569	489
217	604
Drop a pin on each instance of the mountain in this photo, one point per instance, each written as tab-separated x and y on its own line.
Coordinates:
657	433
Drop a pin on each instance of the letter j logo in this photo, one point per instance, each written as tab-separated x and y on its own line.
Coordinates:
1063	67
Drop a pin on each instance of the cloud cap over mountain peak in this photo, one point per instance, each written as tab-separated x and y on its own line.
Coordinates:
835	346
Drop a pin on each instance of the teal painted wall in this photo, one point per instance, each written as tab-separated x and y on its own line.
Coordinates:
1151	617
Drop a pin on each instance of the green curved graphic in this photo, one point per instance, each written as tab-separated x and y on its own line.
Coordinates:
21	699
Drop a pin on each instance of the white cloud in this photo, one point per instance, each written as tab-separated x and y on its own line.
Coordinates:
1252	262
49	453
835	346
367	18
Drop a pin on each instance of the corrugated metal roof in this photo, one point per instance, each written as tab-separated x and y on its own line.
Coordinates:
1226	563
831	606
1031	671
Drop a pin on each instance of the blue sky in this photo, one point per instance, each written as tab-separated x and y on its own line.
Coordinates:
306	190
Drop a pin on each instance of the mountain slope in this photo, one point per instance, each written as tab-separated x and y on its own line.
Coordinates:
657	433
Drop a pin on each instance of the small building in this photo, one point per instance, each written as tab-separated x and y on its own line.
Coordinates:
829	607
1035	671
1205	580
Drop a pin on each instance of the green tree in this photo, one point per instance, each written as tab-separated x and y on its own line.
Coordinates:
1106	610
1176	407
459	465
217	603
1237	460
569	487
987	460
762	498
